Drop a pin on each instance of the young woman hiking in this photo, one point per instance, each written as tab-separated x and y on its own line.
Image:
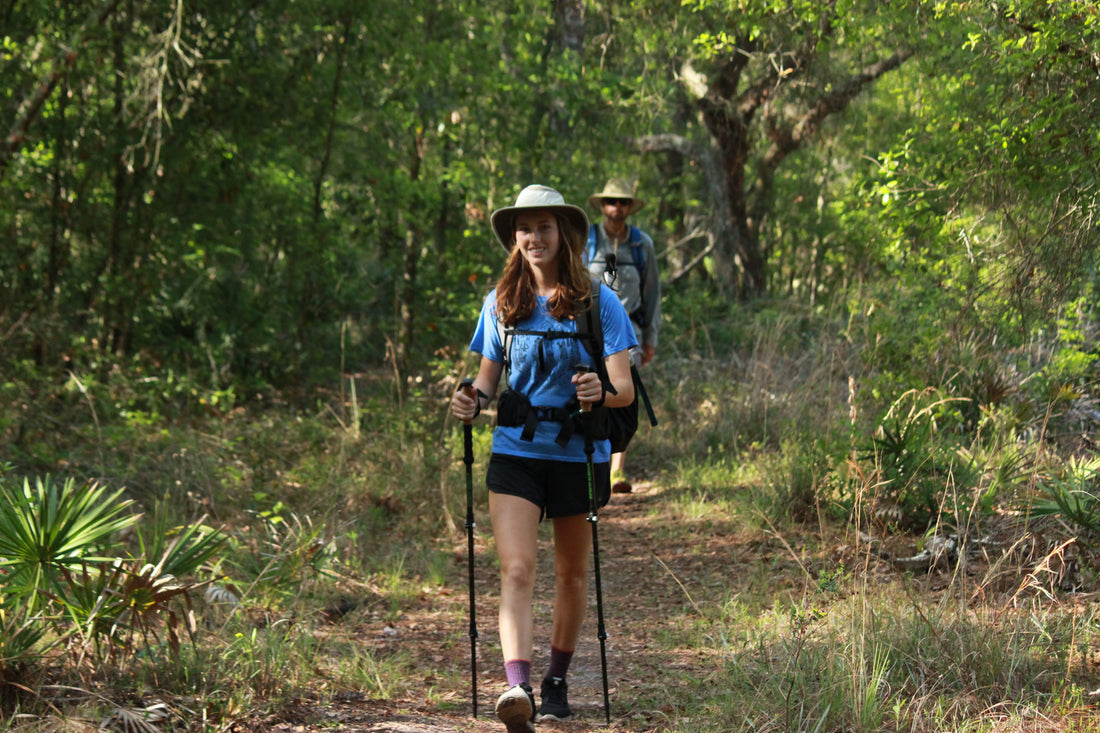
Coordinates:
538	465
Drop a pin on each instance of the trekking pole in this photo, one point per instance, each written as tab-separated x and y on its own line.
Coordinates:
593	519
467	386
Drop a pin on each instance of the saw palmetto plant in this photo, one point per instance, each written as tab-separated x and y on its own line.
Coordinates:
62	562
47	528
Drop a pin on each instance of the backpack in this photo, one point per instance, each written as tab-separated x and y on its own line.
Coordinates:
621	422
616	424
636	249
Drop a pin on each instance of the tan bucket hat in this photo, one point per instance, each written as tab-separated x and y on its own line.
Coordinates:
536	197
616	188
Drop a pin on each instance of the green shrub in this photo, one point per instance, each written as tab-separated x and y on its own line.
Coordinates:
49	528
1072	493
64	566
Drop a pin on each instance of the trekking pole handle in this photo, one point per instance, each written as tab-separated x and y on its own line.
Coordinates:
583	369
467	386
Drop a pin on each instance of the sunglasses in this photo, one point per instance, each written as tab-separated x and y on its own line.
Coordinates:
618	202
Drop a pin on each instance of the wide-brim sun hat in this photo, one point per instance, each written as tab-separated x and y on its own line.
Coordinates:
535	197
616	188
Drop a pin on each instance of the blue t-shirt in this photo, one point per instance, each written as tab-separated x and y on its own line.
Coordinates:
542	369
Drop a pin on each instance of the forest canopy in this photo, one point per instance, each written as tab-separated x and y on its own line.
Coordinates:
263	194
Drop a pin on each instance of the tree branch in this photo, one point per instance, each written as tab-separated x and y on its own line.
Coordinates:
672	278
721	232
757	94
704	157
787	139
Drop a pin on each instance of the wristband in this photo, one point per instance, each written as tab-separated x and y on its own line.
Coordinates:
477	402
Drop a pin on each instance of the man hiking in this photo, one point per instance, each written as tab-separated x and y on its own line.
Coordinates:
624	257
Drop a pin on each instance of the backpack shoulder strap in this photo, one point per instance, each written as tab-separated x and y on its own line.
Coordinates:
507	335
505	345
590	250
596	322
590	330
636	250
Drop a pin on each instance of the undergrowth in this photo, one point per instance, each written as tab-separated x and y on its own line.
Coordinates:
782	429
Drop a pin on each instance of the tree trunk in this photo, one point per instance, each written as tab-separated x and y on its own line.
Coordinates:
721	233
728	114
116	321
567	34
334	107
406	311
671	167
406	294
58	243
569	18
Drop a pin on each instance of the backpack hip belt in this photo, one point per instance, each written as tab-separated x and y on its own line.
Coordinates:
515	410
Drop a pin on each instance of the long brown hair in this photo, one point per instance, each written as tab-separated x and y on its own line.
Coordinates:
516	294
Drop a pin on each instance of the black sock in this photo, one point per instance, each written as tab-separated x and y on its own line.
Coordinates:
559	663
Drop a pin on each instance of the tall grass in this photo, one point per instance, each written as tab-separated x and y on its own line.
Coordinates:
880	660
791	434
857	646
778	429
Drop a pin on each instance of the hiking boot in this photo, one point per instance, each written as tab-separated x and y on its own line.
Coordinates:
555	705
516	709
621	487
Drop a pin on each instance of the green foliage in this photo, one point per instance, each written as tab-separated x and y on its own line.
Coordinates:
950	186
1071	368
792	480
861	662
49	529
919	475
1074	495
109	607
206	241
62	570
293	552
333	216
21	638
360	498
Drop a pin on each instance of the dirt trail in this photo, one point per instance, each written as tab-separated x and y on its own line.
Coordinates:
643	596
655	582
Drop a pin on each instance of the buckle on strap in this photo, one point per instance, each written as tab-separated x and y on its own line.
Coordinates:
534	415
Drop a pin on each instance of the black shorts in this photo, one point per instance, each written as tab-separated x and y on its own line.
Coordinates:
558	488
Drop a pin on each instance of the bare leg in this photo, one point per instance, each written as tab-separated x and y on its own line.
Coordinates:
619	482
572	547
617	461
515	531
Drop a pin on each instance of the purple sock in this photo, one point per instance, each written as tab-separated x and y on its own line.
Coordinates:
518	672
559	663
